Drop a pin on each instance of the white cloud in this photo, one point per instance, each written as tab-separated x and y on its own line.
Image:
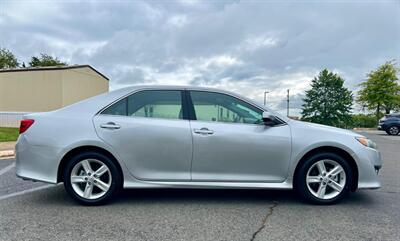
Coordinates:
189	2
178	20
256	42
220	61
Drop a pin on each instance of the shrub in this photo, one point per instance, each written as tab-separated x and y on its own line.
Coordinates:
363	121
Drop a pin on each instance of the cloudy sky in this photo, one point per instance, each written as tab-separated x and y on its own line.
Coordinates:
245	46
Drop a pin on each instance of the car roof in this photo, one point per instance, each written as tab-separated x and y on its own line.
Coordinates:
167	87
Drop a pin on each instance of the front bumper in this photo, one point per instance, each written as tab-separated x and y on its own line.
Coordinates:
369	162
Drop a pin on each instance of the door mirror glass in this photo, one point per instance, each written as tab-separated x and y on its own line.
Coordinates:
268	119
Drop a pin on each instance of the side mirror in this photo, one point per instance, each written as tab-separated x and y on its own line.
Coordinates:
268	119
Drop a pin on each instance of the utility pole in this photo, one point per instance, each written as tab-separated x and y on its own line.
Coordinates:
265	97
287	112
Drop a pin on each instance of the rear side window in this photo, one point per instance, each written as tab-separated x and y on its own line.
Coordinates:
166	104
118	108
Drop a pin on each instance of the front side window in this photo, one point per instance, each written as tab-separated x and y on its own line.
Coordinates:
166	104
217	107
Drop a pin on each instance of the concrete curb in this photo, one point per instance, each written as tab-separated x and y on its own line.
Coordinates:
7	153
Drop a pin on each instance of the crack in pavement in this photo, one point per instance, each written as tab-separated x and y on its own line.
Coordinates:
264	220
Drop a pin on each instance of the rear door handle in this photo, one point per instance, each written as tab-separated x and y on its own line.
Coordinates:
203	131
110	125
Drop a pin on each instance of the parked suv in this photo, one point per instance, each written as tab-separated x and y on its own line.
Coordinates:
390	123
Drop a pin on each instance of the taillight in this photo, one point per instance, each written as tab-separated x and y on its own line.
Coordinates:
25	124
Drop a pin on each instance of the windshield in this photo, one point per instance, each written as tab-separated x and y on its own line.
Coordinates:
392	115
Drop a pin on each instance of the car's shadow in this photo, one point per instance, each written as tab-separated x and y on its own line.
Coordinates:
228	195
205	195
58	196
385	134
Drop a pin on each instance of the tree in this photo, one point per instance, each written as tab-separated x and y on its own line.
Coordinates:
45	60
7	59
381	90
328	101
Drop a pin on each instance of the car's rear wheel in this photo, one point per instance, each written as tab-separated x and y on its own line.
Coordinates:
324	178
393	130
92	178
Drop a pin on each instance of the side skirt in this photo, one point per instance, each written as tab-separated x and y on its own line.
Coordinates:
207	185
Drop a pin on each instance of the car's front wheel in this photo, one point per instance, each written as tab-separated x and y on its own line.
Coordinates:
91	178
393	130
324	178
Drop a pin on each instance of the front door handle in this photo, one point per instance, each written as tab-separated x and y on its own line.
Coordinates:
110	125
204	131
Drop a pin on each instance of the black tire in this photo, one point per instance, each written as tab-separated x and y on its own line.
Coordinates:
116	180
300	183
393	130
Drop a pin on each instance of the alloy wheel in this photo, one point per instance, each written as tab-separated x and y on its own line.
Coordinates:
394	130
91	179
326	179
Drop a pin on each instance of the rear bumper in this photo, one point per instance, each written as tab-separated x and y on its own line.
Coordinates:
36	162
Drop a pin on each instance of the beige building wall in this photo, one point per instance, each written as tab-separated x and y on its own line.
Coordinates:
79	84
30	91
46	90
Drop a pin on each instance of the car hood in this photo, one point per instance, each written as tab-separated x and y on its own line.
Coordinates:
325	128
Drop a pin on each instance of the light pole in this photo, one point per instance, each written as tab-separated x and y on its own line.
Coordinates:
287	111
265	97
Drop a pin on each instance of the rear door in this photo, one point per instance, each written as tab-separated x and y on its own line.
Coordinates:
150	134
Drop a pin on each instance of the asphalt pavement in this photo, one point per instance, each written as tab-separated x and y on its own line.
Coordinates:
37	211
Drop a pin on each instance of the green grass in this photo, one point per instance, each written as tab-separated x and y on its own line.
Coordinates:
8	134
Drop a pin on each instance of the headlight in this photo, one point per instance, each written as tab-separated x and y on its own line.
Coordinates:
366	142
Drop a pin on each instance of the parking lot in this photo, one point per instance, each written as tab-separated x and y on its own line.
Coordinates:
36	211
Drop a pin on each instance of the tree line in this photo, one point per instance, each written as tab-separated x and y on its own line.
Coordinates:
329	102
9	61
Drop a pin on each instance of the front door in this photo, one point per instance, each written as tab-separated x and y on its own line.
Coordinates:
149	133
231	143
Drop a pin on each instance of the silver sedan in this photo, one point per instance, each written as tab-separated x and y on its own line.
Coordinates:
189	137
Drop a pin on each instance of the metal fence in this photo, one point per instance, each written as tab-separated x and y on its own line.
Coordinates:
11	119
